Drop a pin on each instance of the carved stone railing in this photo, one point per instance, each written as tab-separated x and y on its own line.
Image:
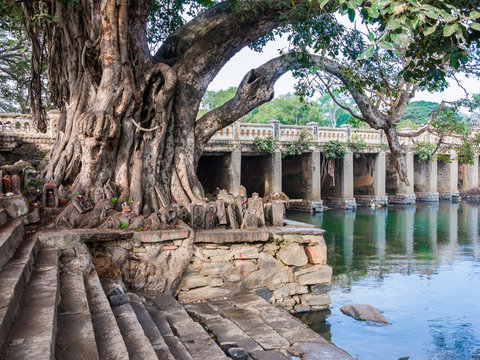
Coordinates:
22	124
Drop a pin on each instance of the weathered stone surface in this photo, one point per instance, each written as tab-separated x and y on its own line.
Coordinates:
268	355
231	236
198	216
320	288
292	254
264	293
300	309
203	293
288	290
241	205
255	206
211	216
245	267
232	215
364	312
213	269
192	282
15	206
218	255
319	275
277	213
245	252
242	190
250	222
160	236
266	277
171	214
237	353
221	213
318	351
316	300
316	254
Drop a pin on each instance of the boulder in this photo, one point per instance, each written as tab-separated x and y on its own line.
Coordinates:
202	293
318	274
364	312
316	254
15	206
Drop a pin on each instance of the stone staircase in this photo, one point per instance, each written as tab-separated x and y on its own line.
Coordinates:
51	311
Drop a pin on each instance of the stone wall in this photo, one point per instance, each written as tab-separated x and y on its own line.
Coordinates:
288	269
287	265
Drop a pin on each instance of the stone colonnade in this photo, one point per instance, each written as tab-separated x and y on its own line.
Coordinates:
428	181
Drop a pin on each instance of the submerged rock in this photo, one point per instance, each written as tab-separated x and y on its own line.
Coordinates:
364	312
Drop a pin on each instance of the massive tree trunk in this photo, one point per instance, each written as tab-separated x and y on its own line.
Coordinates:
129	117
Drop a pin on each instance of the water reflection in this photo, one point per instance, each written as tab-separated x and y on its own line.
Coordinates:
420	265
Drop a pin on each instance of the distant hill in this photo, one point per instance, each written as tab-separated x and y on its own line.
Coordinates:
419	112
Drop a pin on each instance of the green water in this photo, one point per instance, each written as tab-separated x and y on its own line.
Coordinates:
419	265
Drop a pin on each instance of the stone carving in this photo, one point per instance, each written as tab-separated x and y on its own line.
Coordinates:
255	206
277	213
255	195
7	184
225	196
171	216
267	208
184	214
242	190
221	214
198	216
16	184
250	222
211	215
82	204
29	177
242	206
232	215
50	196
1	182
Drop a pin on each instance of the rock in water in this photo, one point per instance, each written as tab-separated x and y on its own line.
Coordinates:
364	312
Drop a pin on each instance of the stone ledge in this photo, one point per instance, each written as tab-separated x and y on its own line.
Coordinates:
232	236
160	236
297	231
296	224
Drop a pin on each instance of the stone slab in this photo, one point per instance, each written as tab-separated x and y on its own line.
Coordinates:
32	336
110	344
297	231
202	293
75	337
296	224
160	236
10	237
177	349
318	351
231	236
13	279
15	206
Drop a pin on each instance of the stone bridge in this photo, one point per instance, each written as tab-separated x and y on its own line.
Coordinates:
367	177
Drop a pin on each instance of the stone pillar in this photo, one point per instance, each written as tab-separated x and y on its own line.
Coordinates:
472	175
430	192
235	170
379	175
277	171
379	232
346	186
405	194
316	181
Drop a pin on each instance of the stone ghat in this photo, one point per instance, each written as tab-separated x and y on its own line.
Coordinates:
285	266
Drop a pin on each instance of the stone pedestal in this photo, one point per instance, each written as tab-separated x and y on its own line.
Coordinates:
447	179
379	173
405	194
235	170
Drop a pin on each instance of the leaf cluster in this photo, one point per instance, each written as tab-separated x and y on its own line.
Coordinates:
334	149
357	145
424	150
302	142
267	144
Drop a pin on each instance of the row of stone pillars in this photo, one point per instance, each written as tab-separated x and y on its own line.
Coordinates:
428	181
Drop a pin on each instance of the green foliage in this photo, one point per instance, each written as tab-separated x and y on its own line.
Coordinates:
357	145
302	142
140	228
466	151
123	226
267	144
418	113
114	200
334	149
424	150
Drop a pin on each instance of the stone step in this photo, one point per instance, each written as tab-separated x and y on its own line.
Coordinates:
137	343
11	235
110	343
190	333
32	335
75	336
13	278
150	329
3	217
177	349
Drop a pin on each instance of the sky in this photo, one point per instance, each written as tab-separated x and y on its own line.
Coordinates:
233	72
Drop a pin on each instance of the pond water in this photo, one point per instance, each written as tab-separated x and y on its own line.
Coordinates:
419	265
